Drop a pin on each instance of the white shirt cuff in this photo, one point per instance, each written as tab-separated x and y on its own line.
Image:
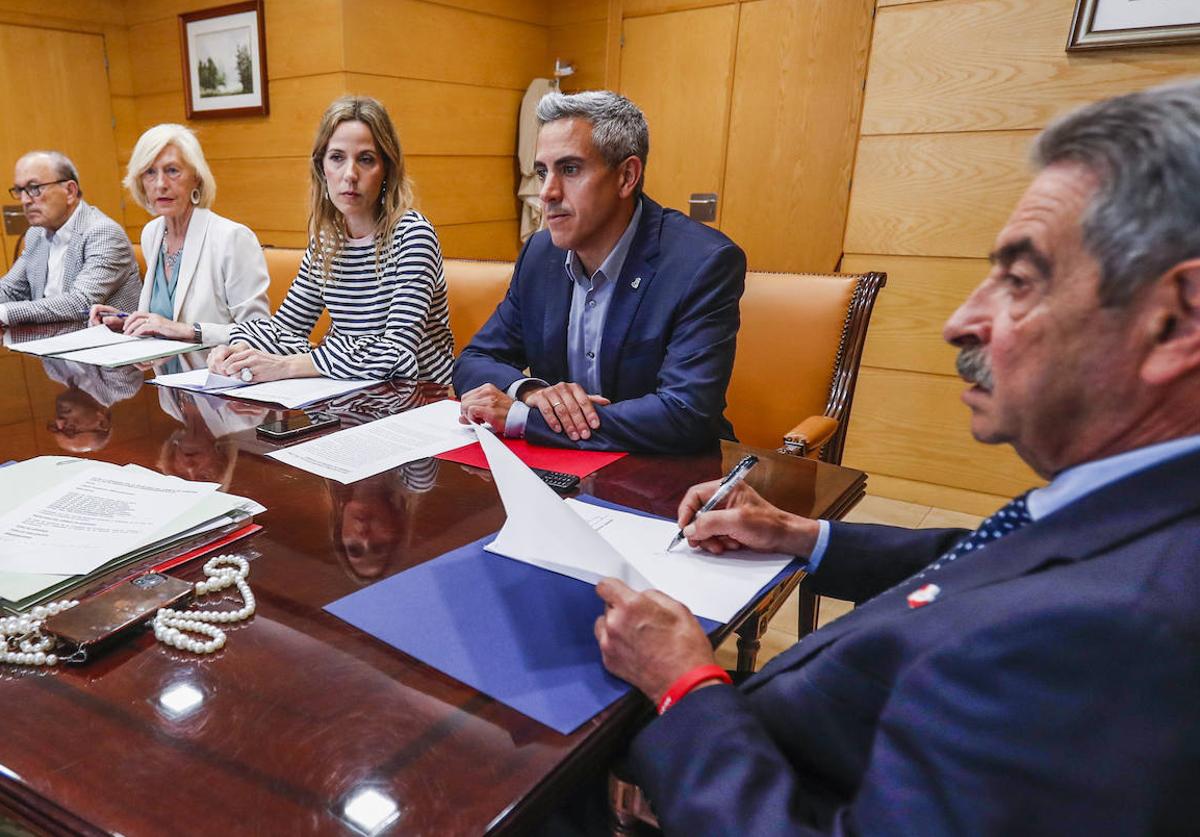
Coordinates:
3	314
516	385
822	544
514	425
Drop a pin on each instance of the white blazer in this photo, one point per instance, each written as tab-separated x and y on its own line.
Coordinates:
223	278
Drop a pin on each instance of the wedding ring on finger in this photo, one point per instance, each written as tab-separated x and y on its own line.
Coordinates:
246	375
556	405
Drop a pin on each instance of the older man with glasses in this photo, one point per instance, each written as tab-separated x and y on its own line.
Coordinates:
74	256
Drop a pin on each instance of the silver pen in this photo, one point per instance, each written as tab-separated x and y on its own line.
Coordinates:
728	484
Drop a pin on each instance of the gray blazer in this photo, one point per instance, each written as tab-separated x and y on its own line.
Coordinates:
98	266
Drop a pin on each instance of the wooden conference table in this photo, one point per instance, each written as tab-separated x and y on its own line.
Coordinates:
302	722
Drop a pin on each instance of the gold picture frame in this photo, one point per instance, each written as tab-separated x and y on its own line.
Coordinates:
1105	24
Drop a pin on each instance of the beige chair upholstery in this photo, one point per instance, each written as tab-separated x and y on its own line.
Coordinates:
797	358
474	288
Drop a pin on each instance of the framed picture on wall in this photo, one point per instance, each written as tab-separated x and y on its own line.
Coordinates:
224	61
1099	24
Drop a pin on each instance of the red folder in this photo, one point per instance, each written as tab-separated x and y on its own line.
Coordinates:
569	461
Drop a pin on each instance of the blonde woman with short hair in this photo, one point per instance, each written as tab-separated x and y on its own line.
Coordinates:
373	261
204	273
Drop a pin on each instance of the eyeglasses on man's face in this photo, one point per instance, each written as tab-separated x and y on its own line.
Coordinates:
34	189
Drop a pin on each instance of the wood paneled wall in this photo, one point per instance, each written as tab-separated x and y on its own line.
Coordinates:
451	74
956	91
103	17
579	36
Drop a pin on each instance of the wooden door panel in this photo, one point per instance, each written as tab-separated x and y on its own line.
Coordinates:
678	68
54	94
792	133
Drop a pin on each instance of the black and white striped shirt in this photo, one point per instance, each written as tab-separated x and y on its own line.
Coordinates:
390	322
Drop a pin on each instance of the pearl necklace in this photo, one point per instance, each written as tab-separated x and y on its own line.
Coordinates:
172	627
21	640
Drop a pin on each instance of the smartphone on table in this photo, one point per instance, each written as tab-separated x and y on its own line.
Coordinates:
297	423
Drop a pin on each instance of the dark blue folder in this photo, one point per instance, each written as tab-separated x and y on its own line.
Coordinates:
515	632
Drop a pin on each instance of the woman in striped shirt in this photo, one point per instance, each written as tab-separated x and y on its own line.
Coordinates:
373	261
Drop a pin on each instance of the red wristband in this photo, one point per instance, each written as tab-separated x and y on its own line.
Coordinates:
689	681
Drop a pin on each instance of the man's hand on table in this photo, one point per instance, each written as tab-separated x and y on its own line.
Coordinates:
648	639
485	404
566	407
745	519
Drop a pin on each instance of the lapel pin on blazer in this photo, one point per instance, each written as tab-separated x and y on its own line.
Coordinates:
923	595
634	284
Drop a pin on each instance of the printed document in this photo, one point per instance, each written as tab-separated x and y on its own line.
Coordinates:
290	392
372	448
34	476
135	350
196	380
590	542
92	518
85	338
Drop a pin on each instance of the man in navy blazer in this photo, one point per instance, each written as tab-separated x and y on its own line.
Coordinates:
624	313
1041	675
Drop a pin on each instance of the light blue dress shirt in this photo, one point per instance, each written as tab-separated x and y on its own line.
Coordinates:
1070	485
590	300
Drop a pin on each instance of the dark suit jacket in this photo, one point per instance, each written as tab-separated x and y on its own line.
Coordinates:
667	349
1052	688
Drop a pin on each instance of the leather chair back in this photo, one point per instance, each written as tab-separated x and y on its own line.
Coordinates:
283	263
798	353
474	289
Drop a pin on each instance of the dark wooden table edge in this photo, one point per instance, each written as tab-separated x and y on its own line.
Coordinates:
38	813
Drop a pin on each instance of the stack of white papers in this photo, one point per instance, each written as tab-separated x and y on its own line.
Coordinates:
102	346
86	338
71	516
293	393
372	448
591	542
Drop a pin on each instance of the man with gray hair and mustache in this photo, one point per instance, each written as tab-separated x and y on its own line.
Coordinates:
1040	675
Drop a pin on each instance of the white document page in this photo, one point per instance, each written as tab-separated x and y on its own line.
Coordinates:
85	338
92	518
590	542
539	523
368	449
131	351
299	392
713	586
36	475
196	380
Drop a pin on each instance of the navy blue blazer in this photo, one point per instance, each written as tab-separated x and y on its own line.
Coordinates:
667	349
1053	687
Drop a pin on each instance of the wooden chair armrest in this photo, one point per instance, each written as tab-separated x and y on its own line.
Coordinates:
807	437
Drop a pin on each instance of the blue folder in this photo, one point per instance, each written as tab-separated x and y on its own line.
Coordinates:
519	634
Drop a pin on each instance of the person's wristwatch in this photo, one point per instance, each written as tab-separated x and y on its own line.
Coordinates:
197	333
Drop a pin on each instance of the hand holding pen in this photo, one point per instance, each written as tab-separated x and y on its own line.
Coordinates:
727	485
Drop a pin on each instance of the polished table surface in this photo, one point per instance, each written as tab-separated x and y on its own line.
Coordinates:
301	714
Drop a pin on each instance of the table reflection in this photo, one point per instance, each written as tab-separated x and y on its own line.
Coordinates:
82	420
